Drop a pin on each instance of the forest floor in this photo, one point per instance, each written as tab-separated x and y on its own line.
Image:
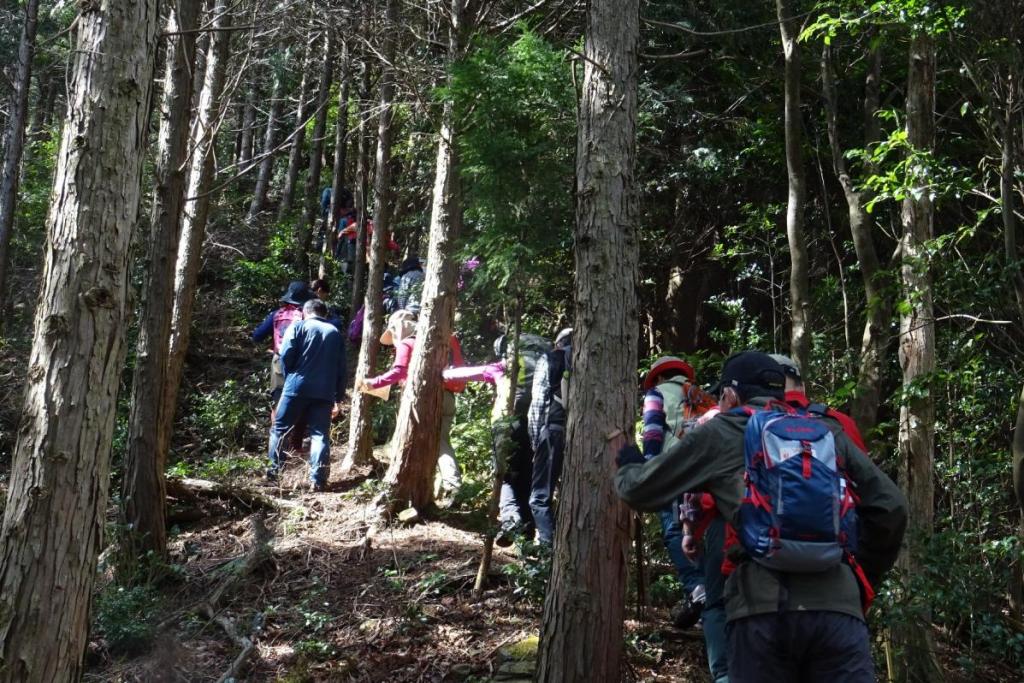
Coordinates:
331	608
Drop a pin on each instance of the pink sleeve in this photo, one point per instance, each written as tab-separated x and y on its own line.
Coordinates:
399	369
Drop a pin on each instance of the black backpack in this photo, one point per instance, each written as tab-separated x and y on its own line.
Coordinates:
531	348
559	364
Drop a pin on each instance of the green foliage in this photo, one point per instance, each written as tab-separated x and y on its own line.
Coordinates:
127	617
313	624
529	577
471	437
256	285
223	416
516	104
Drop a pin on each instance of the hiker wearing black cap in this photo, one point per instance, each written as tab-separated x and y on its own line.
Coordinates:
783	625
277	323
313	361
796	396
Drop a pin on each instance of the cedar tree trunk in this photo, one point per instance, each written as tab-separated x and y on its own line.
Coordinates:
299	135
266	170
248	126
362	193
340	158
14	137
581	634
410	476
360	440
197	206
142	488
60	476
311	196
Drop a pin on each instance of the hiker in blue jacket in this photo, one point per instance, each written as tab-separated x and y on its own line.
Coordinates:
313	361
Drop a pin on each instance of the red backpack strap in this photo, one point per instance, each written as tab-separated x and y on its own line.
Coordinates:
867	593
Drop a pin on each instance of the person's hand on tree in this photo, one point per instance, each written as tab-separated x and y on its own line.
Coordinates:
336	410
629	455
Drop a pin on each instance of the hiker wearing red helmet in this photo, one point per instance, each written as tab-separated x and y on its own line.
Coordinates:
672	403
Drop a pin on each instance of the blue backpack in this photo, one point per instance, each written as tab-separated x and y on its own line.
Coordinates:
798	513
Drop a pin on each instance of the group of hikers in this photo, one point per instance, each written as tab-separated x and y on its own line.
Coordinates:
776	521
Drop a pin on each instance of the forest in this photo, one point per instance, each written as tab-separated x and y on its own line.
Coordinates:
477	232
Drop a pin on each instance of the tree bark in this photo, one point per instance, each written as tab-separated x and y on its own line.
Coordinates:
410	476
311	196
143	490
917	354
878	304
14	136
248	125
299	137
1007	200
266	170
799	287
362	194
340	159
360	441
581	634
60	477
197	207
1018	453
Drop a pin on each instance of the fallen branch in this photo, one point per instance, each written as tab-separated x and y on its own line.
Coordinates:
237	572
247	643
194	489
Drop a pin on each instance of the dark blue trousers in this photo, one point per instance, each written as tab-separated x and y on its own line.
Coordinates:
800	647
317	414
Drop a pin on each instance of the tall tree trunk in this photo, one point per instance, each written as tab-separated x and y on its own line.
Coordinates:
917	354
311	196
799	287
360	440
1018	453
410	477
14	137
581	634
299	136
266	170
878	304
197	207
362	193
248	125
340	159
1007	200
60	476
143	491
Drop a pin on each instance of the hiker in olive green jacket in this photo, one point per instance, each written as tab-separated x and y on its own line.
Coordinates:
782	626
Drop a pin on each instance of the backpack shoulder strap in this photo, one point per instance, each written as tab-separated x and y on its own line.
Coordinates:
819	409
740	411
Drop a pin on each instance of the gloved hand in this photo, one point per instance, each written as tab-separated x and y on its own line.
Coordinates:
629	455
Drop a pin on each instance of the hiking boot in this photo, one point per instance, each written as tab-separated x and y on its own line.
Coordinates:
507	535
270	476
317	487
686	613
